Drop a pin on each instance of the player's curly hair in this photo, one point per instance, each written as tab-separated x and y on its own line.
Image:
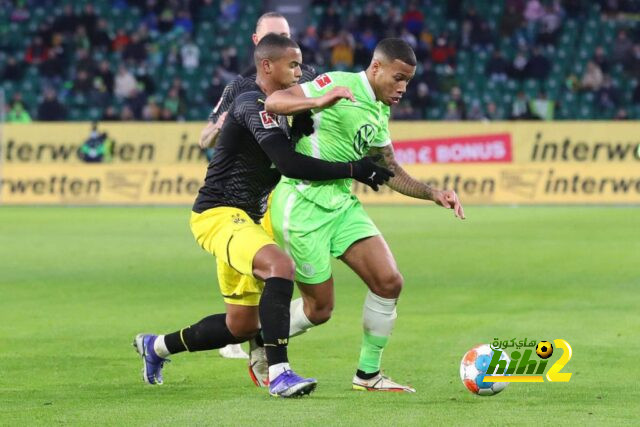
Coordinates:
394	48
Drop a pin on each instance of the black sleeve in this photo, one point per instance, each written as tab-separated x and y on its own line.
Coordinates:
298	166
229	93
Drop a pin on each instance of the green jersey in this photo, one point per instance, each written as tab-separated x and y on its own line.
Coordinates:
342	133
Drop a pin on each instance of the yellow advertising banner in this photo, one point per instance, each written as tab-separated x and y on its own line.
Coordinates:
527	183
578	143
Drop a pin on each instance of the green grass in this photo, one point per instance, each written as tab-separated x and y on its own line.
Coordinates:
76	284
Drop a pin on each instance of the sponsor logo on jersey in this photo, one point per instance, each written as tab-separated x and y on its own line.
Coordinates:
363	138
269	120
322	81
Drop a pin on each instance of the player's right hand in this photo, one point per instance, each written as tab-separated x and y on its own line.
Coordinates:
334	95
368	172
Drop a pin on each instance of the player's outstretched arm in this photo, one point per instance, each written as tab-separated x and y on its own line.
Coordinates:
209	135
293	100
405	184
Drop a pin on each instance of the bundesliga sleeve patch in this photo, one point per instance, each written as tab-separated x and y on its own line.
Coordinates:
269	120
322	81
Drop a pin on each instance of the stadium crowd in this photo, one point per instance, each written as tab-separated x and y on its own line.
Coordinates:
170	59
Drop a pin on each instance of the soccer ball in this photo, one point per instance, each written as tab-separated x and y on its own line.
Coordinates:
473	368
544	349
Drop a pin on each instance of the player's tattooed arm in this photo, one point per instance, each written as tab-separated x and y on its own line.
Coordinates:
405	184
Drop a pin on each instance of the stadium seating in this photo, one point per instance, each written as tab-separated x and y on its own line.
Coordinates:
574	46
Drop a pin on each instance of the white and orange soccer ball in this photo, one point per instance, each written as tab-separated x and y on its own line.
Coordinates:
473	368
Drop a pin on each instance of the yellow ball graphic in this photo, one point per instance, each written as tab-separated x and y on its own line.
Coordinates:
544	349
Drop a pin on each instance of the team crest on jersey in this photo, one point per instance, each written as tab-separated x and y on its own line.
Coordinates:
322	81
269	120
363	138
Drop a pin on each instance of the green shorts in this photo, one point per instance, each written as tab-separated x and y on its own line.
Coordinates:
311	234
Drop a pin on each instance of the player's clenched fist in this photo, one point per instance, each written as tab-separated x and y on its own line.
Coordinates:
333	96
449	199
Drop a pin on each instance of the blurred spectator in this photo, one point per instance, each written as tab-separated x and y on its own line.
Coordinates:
497	67
428	76
50	109
481	36
174	104
88	19
110	114
13	70
538	66
518	69
37	52
542	107
82	84
621	46
520	107
342	51
81	39
145	80
456	108
404	111
120	41
361	56
67	21
632	64
492	113
636	93
230	10
420	99
17	112
215	90
184	22
151	111
621	114
166	20
330	20
230	59
592	77
550	23
408	37
126	114
601	59
190	55
475	112
104	73
369	40
413	19
125	83
136	101
135	51
511	21
369	20
85	62
607	97
443	52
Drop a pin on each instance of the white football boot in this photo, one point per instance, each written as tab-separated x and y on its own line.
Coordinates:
258	365
380	383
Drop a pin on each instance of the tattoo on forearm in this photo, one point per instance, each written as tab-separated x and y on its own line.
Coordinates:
402	182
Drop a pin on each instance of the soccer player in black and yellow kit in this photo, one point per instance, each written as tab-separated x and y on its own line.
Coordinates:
225	220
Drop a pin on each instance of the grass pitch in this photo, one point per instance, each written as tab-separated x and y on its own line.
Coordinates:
76	285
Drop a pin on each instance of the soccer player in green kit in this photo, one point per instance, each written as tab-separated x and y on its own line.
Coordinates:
314	221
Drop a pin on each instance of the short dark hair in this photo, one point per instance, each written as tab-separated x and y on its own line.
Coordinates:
268	15
272	46
393	48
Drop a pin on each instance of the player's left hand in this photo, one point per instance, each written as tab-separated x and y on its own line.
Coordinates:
448	199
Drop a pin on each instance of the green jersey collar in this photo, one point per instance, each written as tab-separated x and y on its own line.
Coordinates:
367	85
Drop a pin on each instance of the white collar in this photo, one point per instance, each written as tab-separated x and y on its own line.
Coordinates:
367	85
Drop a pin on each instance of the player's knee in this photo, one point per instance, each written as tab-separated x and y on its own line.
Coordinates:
283	267
320	313
242	329
389	285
